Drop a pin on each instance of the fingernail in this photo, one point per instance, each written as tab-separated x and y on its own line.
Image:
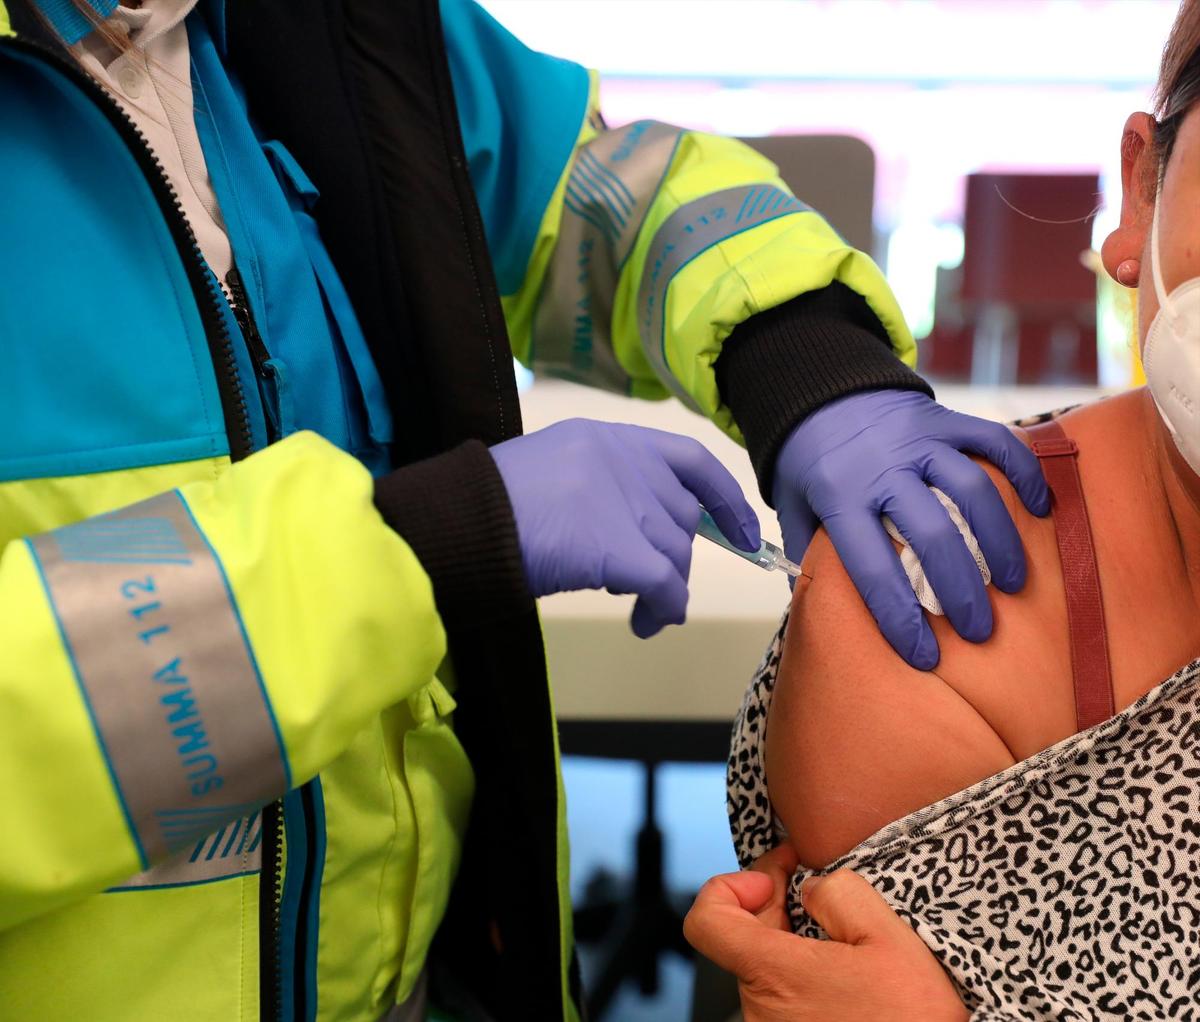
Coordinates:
1041	506
980	621
926	655
980	629
642	623
1013	580
751	536
807	886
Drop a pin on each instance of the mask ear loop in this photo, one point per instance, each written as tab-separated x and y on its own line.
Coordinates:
1160	288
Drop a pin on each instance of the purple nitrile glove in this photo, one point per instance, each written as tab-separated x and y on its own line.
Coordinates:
877	453
601	505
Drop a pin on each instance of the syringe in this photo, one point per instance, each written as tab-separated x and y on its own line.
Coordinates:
768	556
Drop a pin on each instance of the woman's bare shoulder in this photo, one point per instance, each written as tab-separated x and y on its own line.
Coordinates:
856	738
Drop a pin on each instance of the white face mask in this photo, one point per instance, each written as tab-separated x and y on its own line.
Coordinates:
1172	355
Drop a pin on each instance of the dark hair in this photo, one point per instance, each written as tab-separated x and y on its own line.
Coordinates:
1178	87
119	41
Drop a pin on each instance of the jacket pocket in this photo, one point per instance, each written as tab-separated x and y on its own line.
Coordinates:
441	784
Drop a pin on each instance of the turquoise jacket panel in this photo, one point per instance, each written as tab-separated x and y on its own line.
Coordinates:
105	360
520	112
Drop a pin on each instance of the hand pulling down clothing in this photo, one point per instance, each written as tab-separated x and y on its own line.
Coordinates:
1059	888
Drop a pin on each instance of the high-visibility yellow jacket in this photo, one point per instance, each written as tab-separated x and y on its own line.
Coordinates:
268	670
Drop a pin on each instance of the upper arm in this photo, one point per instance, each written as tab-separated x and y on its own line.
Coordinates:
626	257
856	738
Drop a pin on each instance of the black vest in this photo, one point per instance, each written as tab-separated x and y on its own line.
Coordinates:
361	94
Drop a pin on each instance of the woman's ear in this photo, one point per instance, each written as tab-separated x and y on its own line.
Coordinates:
1122	249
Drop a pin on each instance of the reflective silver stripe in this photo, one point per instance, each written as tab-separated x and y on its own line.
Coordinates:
234	850
689	231
166	671
610	188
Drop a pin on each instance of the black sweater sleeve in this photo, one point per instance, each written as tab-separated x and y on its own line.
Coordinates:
454	511
781	365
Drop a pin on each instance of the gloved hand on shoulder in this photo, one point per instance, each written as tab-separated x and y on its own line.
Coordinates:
877	453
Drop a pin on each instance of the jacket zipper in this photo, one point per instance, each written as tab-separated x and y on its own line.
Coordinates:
270	388
270	905
208	297
240	302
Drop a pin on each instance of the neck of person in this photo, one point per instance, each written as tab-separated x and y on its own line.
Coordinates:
1181	488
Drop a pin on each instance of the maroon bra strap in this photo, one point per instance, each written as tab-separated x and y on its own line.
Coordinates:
1085	610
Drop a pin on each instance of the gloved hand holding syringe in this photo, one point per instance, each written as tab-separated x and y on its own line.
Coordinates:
768	556
607	505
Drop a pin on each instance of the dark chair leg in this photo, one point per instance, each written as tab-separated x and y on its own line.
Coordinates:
647	928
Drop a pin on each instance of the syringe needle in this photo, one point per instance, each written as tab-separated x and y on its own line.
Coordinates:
768	556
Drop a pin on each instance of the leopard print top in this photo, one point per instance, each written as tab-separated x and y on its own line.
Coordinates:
1066	887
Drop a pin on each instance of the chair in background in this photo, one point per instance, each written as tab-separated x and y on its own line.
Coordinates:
834	174
1026	303
636	927
714	995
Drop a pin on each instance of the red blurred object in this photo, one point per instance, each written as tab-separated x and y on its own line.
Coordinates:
1024	309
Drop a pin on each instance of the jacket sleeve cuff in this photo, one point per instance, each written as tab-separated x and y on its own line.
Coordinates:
781	365
454	512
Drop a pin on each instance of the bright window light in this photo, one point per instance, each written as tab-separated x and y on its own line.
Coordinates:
929	41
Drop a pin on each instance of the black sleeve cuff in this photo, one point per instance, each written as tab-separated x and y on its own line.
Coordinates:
781	365
453	510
